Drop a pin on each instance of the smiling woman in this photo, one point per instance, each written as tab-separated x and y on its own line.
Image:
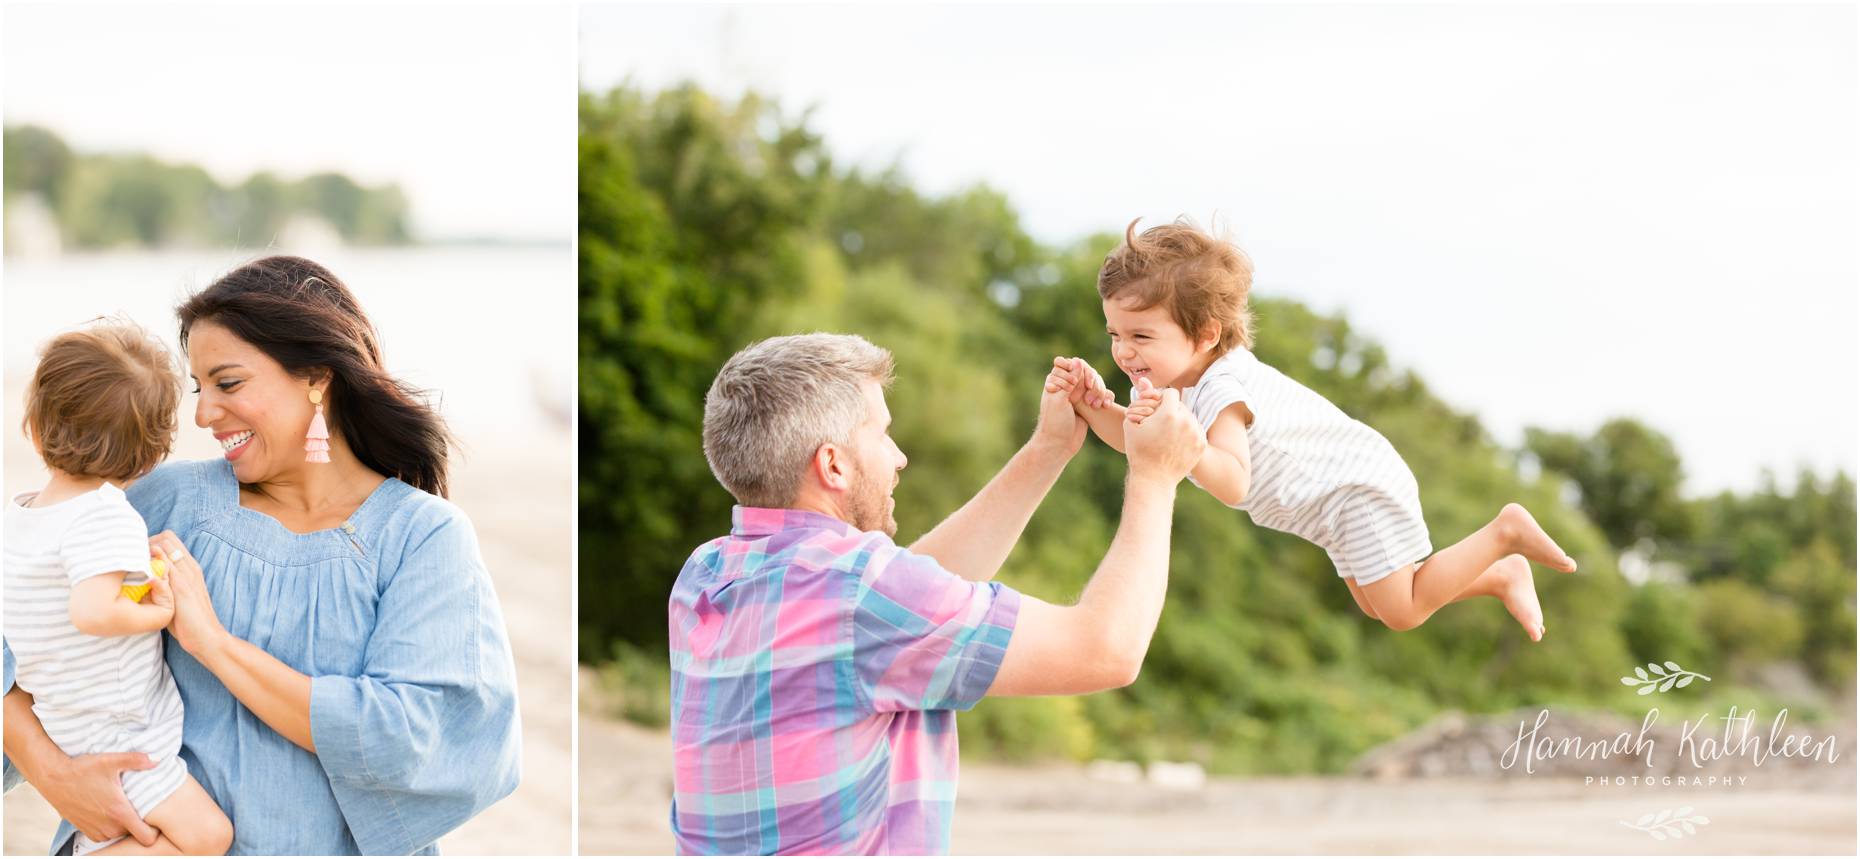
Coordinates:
271	346
328	589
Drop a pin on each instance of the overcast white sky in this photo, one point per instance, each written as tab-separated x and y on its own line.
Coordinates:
470	109
1556	214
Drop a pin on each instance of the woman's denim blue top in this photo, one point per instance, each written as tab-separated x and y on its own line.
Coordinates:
413	697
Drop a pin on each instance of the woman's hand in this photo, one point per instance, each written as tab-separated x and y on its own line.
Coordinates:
195	624
86	790
277	693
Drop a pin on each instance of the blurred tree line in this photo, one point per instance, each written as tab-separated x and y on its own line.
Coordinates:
707	223
134	200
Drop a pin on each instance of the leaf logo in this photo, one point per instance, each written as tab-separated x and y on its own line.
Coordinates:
1661	677
1672	823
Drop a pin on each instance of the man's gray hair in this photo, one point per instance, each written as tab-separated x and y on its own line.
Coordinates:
777	401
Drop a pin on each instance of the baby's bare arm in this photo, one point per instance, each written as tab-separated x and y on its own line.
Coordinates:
1226	467
1106	421
98	607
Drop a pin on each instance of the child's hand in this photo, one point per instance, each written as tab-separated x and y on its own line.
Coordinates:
1097	393
1072	377
1081	384
161	595
1063	378
1144	400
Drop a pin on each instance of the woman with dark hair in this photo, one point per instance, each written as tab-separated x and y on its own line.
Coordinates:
347	677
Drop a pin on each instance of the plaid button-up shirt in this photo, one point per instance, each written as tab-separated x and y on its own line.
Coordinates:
816	675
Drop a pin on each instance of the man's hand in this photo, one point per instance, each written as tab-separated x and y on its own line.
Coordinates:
88	791
1060	426
1167	444
1100	642
975	540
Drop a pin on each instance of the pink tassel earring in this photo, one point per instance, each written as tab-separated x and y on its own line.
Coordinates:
316	442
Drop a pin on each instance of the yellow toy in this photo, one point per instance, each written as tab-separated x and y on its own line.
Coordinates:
158	569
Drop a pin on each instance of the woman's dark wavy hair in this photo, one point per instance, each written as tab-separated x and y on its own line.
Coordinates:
298	313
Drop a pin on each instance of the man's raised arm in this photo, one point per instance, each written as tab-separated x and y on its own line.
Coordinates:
975	540
1100	642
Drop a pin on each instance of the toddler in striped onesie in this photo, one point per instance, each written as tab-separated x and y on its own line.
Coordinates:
100	410
1175	305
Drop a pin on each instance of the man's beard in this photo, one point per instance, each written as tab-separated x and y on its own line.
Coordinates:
866	505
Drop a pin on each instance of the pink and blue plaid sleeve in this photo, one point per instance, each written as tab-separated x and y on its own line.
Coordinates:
925	638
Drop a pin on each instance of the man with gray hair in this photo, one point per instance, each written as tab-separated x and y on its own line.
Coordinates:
817	666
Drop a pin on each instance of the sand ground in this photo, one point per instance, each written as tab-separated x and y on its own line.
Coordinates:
519	493
626	781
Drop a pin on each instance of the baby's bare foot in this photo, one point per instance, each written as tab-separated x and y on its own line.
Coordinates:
1524	536
1519	594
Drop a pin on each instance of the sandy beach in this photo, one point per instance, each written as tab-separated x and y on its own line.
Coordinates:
1058	809
519	493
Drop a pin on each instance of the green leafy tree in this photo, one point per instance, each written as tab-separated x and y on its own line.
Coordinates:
689	230
1822	589
1747	623
1629	476
1663	622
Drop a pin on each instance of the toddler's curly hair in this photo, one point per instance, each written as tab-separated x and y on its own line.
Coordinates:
1202	279
102	402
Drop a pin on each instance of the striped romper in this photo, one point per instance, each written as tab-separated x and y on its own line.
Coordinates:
1317	472
93	695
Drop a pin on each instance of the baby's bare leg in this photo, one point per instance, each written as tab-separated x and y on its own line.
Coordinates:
1494	582
1407	597
1510	581
191	823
